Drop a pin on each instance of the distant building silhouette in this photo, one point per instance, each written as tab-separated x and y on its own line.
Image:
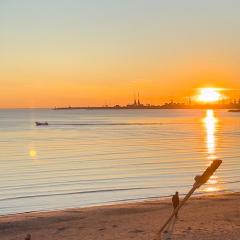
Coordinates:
137	104
138	101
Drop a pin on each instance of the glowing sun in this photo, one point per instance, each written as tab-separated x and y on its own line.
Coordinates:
32	153
209	95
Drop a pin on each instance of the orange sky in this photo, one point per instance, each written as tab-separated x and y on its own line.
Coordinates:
80	54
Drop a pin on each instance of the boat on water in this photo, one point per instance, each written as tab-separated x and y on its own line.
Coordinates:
41	123
234	110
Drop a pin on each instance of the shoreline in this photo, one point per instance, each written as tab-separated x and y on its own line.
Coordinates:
126	201
217	216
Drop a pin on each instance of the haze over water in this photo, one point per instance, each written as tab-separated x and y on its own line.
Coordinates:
112	155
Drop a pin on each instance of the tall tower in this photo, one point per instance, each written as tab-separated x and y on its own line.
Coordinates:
135	102
190	101
138	103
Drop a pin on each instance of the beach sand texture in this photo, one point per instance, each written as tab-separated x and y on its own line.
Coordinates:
212	217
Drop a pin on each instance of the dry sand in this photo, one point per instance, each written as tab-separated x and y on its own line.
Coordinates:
212	217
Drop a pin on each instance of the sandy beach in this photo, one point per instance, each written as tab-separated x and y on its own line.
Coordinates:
209	217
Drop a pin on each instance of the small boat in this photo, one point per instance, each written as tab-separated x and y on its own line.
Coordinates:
41	123
234	110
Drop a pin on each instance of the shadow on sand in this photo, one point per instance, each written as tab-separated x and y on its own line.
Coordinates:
168	233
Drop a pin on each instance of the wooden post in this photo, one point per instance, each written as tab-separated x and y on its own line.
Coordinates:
199	181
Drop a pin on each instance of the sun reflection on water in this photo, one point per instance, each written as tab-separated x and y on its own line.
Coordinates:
210	124
212	189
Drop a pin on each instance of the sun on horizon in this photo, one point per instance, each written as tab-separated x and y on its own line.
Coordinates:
209	95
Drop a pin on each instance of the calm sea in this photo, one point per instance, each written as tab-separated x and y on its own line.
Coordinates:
86	158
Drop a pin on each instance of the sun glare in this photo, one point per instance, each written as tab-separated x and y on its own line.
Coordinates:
210	124
209	95
32	153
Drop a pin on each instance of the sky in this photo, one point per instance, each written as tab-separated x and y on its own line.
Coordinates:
91	52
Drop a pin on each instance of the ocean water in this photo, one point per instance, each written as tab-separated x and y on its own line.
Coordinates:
95	157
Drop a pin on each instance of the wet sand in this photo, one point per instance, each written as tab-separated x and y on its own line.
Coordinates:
211	217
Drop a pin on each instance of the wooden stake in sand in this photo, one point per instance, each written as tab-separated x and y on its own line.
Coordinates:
199	181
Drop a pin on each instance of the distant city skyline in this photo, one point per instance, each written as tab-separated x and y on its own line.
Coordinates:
191	103
61	52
